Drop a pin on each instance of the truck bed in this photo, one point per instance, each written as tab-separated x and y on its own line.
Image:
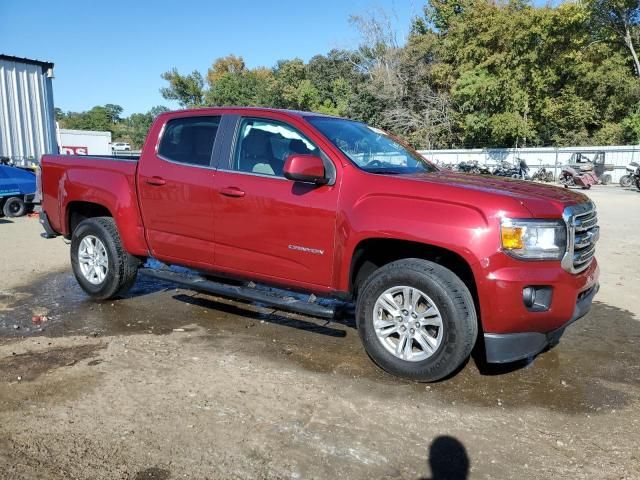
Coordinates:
102	180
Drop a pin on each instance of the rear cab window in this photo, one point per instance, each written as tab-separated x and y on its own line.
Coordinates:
189	140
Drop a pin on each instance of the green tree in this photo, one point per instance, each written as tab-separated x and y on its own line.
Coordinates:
187	90
137	126
618	19
99	118
477	73
114	112
229	65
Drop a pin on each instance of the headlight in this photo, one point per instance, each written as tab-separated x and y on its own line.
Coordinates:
534	239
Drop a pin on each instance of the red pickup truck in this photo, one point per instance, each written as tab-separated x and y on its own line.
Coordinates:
436	262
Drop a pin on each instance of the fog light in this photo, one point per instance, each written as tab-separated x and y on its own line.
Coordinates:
529	296
537	298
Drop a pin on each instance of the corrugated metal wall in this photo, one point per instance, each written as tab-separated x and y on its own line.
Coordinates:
27	120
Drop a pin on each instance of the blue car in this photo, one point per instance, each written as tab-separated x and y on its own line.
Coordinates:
17	190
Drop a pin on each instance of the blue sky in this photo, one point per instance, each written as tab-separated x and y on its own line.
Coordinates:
114	52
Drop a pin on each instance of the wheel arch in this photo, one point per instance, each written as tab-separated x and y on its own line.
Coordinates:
372	253
80	210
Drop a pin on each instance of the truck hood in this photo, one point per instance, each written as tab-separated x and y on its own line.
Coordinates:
540	199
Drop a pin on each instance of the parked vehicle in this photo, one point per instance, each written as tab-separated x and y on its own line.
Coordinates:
627	179
519	171
85	142
331	207
636	177
583	177
473	167
17	190
543	175
584	171
120	147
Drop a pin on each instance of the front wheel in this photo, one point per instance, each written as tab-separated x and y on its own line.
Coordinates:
626	181
100	264
416	319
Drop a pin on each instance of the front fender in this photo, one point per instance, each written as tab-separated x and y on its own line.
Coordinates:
456	227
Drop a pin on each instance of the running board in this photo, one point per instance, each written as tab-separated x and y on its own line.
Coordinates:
243	293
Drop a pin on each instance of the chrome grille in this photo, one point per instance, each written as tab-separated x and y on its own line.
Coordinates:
582	234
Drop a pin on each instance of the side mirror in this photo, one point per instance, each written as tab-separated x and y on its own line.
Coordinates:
305	168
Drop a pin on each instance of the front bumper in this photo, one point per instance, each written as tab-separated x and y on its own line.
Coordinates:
509	347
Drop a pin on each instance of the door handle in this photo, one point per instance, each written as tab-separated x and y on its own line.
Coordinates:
157	181
232	192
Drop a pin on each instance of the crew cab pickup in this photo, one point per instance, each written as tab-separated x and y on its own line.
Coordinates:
436	262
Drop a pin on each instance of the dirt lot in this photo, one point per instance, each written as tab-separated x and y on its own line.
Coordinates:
168	384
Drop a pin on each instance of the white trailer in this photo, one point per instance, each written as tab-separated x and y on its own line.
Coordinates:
84	142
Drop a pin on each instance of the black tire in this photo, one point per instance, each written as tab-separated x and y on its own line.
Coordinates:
626	181
451	297
606	179
122	267
14	207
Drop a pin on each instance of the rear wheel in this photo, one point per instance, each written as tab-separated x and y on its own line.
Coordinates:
14	207
606	179
416	319
100	264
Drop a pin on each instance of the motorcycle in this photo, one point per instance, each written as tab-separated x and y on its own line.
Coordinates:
583	171
543	175
472	167
505	169
627	179
584	177
636	177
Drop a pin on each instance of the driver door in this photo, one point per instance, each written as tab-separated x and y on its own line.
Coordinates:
266	225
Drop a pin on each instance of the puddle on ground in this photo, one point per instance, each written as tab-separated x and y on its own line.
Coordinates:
594	369
30	365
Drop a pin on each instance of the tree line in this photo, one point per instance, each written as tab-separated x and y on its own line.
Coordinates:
472	73
108	118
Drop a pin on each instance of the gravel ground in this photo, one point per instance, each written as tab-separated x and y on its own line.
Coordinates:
168	384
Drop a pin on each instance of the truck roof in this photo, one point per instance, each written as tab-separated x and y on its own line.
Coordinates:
219	110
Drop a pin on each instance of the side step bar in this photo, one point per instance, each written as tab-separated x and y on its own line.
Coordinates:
246	294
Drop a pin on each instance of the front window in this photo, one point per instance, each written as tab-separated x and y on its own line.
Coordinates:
264	146
371	149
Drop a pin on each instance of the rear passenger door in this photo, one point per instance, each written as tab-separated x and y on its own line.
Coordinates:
175	188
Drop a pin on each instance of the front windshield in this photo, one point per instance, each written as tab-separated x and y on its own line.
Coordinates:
371	149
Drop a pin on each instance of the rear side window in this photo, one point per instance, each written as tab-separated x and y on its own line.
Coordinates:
189	140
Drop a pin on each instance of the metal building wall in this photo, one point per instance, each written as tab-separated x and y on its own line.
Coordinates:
551	158
27	119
